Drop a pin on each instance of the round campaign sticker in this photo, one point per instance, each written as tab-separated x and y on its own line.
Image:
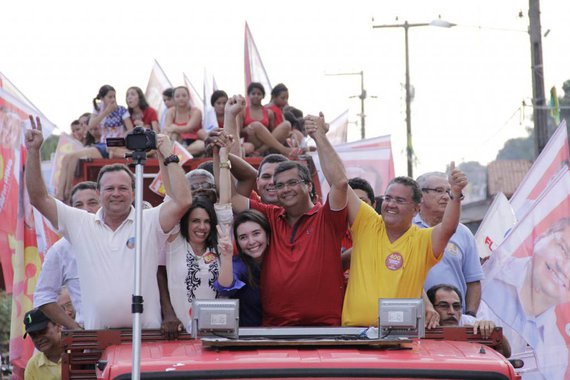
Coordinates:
394	261
131	243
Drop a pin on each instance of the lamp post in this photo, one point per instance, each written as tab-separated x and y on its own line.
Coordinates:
406	25
362	98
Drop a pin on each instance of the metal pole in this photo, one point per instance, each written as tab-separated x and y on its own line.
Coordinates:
409	149
137	297
538	97
362	98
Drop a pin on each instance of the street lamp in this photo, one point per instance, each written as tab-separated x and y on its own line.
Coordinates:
406	25
362	97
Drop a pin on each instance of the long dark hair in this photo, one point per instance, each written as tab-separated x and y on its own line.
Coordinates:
258	218
205	204
143	104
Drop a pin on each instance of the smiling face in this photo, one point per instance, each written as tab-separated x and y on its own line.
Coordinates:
435	201
551	267
199	226
252	240
398	208
293	192
48	339
86	199
116	193
265	187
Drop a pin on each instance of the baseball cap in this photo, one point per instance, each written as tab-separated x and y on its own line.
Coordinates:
35	320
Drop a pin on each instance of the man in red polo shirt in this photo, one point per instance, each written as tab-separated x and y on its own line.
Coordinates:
301	279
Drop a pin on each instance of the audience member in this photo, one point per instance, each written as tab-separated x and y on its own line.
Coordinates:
104	242
46	336
142	114
59	268
218	100
277	104
391	256
460	265
184	122
207	166
78	132
168	99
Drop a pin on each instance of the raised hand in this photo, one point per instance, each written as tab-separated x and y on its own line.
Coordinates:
235	105
457	180
34	137
163	145
225	246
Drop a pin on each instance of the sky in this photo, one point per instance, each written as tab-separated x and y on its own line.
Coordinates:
469	81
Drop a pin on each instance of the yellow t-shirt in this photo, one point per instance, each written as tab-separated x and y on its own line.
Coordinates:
39	367
381	269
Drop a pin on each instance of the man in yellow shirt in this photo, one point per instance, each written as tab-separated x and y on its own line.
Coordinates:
391	256
46	335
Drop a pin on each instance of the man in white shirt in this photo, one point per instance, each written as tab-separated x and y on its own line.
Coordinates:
104	242
60	269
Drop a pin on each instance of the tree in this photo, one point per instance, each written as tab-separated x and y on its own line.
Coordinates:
49	147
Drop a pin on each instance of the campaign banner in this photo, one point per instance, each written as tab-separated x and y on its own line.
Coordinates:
370	159
497	223
553	158
157	83
157	185
210	121
526	288
338	129
254	70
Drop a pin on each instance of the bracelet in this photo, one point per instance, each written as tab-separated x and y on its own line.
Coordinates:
225	165
452	197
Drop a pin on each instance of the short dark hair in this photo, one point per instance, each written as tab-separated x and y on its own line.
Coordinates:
254	85
447	287
217	95
273	158
115	168
413	185
74	122
288	165
85	185
207	166
362	184
169	92
205	204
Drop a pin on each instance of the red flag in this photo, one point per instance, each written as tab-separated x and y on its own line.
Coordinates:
553	158
253	66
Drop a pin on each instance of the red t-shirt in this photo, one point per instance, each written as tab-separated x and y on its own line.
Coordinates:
277	114
301	279
149	115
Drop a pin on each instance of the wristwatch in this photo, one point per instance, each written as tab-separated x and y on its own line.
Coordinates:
170	159
226	164
452	197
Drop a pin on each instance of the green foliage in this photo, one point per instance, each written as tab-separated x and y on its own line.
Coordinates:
521	148
49	147
5	316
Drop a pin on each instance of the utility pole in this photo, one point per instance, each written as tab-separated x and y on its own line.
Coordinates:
539	110
362	98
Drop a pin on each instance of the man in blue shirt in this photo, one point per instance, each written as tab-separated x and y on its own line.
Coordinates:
460	266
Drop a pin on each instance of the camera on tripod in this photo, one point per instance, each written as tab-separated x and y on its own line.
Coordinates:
139	140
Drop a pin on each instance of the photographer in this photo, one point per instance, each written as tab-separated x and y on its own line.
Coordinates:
104	242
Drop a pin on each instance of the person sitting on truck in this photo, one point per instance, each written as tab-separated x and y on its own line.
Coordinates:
104	242
391	256
446	300
46	336
59	268
302	281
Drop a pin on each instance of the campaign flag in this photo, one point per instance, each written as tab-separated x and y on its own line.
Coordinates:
497	223
195	98
157	83
553	158
370	159
157	185
526	281
210	120
338	129
66	144
253	66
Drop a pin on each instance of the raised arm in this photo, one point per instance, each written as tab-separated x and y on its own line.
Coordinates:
332	166
181	197
233	121
443	231
37	191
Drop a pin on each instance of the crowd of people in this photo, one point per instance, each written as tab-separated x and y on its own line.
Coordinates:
233	231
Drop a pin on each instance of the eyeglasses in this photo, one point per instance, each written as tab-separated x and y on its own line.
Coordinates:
445	306
398	200
289	184
437	190
202	186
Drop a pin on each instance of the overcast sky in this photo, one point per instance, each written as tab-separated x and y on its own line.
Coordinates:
470	80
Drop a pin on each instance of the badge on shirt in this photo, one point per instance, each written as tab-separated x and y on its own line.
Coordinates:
452	249
209	257
131	242
394	261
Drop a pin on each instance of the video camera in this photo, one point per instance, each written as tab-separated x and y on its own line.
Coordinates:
138	140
